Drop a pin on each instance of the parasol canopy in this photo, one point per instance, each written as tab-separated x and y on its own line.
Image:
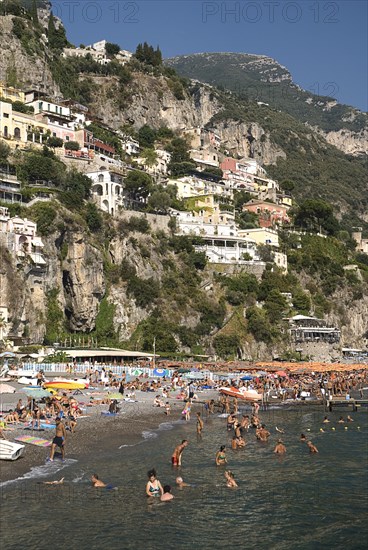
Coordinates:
160	372
7	388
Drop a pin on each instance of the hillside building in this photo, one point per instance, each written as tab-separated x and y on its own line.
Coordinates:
311	329
107	190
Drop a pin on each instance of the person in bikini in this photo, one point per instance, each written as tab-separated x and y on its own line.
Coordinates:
153	487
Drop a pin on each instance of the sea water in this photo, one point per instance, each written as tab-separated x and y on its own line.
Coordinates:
293	501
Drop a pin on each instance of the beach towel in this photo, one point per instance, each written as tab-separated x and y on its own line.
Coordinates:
39	442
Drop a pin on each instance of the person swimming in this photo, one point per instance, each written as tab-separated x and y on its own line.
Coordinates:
181	483
96	481
280	448
166	496
302	437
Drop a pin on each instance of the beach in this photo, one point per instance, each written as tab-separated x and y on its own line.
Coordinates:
95	433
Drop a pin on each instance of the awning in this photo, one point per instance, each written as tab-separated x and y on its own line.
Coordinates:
38	259
37	242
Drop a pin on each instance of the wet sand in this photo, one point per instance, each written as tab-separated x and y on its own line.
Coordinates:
94	433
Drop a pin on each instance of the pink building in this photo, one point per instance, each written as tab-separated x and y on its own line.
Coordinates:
269	214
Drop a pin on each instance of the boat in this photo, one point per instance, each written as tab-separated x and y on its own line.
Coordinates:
22	372
241	393
10	450
28	381
66	384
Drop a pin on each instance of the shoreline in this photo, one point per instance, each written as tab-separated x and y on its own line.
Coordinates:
94	433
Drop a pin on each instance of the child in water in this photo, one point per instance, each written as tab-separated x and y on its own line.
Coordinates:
230	480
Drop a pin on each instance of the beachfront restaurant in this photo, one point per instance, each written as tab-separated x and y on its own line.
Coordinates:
312	329
108	356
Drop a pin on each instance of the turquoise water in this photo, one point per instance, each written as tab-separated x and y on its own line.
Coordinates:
295	501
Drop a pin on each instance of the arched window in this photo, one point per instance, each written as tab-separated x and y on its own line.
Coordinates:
100	177
6	134
17	133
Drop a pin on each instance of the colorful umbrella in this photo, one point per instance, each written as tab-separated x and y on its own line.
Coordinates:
136	372
36	393
115	395
159	372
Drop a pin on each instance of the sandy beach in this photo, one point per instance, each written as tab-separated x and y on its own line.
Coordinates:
95	433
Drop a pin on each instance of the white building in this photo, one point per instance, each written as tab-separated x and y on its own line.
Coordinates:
20	237
262	235
98	53
188	223
129	145
228	250
107	190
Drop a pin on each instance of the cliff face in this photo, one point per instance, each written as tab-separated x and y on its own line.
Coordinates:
351	143
151	101
24	58
249	140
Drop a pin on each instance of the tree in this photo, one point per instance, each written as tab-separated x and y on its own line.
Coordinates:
146	136
275	305
148	55
55	142
138	185
265	253
76	188
226	345
72	146
159	201
258	324
56	36
4	152
301	301
316	214
287	185
33	12
149	156
93	217
112	49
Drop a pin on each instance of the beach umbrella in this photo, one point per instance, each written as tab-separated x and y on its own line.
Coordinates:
137	372
7	354
160	372
115	395
36	393
247	377
7	388
281	373
183	370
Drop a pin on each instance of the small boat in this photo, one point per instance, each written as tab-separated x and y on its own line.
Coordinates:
241	393
10	450
28	381
22	372
66	384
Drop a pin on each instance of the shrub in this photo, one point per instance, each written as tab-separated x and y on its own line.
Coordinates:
144	291
72	146
44	215
226	345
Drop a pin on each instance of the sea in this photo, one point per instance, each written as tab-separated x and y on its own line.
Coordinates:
296	501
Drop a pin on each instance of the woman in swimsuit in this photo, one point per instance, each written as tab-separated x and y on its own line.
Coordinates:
221	456
153	487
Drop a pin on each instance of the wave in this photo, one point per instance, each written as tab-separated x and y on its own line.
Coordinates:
44	470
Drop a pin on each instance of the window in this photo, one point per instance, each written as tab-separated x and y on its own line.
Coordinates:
67	138
5	131
17	133
54	134
6	115
48	107
40	106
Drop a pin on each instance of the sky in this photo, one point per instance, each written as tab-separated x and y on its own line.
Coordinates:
322	43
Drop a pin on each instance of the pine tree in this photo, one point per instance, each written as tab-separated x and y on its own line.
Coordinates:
33	12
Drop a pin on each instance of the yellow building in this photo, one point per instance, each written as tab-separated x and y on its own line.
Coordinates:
19	128
8	92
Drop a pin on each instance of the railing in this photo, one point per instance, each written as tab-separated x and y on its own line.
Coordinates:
82	369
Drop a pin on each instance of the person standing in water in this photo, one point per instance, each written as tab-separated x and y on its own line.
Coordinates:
280	448
221	456
199	424
177	454
312	448
153	487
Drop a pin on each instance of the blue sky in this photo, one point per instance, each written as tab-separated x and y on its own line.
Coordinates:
322	43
